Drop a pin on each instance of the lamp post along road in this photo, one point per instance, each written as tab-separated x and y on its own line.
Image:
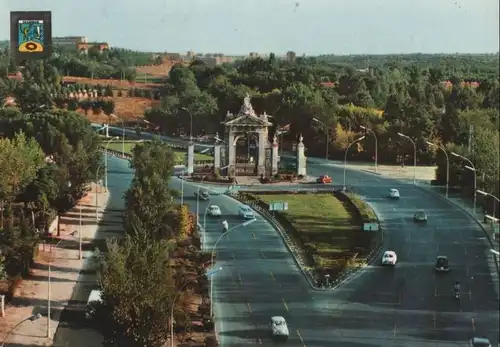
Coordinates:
106	163
345	158
123	132
414	156
177	295
447	163
327	136
490	195
212	257
97	193
473	169
191	123
376	145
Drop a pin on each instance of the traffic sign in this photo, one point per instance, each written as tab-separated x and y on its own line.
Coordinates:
278	206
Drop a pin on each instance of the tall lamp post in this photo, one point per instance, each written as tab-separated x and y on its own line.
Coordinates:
191	123
345	157
447	163
123	132
490	195
97	193
106	162
473	169
376	145
327	135
177	295
30	318
414	156
212	257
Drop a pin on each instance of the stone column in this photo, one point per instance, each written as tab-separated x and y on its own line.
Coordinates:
107	130
232	156
190	159
301	158
274	157
217	157
261	165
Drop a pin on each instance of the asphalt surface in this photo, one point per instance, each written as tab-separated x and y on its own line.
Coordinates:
408	305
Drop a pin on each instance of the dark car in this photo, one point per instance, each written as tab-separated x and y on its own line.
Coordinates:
442	264
202	194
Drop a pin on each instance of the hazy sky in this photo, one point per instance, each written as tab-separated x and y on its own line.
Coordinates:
307	26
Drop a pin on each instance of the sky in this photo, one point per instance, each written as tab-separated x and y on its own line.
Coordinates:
310	27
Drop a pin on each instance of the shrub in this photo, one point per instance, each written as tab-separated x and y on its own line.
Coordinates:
365	211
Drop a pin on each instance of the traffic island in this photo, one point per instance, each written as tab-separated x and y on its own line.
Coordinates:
330	234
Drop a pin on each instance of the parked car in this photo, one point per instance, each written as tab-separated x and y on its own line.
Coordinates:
214	211
394	193
479	342
389	258
202	194
246	212
279	328
442	264
420	216
324	179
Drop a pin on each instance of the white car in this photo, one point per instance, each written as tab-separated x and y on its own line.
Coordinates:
389	258
246	212
394	193
279	329
214	211
479	342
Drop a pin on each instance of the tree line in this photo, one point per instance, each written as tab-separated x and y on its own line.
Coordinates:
438	99
157	266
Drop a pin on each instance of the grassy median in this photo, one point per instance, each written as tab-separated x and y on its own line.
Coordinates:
327	228
180	155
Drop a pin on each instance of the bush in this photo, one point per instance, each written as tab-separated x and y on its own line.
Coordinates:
365	211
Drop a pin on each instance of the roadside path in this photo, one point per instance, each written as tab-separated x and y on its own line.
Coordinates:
31	297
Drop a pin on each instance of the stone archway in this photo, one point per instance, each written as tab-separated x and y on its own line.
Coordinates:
246	152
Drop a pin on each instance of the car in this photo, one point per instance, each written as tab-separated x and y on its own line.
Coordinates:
214	211
202	194
279	328
389	258
479	342
95	298
246	212
324	179
442	264
394	193
420	216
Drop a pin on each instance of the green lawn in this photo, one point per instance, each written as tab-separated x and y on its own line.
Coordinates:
117	146
326	228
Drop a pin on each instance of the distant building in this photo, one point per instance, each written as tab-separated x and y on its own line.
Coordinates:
69	40
84	47
290	56
253	55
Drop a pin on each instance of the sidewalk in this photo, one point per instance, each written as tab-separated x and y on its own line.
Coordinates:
66	279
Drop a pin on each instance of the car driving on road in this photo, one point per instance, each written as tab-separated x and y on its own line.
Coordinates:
202	194
420	216
246	212
279	328
214	211
324	179
442	264
479	342
389	258
394	193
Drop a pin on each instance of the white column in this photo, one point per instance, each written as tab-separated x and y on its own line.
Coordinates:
274	157
301	158
217	157
261	169
190	159
232	156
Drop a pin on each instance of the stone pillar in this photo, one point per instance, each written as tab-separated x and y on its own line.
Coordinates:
231	162
217	157
190	159
107	130
274	157
261	165
301	158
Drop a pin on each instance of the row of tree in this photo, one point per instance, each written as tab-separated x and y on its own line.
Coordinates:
315	96
157	266
48	159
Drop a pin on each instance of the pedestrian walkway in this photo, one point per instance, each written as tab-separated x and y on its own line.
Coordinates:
67	280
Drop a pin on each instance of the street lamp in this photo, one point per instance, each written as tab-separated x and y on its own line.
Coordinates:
49	282
447	163
30	318
123	132
177	295
327	135
345	155
376	144
473	169
191	123
212	256
106	163
490	195
414	156
97	193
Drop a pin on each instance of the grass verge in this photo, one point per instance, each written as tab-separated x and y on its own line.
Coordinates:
129	146
328	229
